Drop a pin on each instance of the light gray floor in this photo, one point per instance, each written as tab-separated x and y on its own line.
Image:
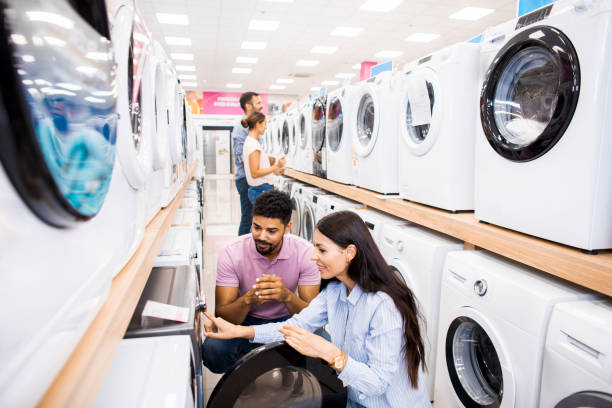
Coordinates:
221	219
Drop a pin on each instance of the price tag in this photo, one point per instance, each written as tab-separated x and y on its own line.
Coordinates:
420	105
165	311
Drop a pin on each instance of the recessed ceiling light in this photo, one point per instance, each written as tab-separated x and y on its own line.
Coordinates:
345	75
356	66
315	88
307	63
323	49
389	54
285	81
330	83
185	68
347	31
279	1
178	40
277	86
189	83
233	85
187	76
253	45
169	18
19	39
246	60
263	25
240	70
380	5
471	13
422	37
179	56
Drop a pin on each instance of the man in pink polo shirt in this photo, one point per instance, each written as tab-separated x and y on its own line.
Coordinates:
262	277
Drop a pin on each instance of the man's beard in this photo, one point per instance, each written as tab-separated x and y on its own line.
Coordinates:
268	248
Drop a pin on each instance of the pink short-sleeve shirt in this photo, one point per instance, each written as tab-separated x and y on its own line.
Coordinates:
239	264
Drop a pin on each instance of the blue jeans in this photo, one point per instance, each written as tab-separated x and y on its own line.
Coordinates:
255	191
220	355
246	208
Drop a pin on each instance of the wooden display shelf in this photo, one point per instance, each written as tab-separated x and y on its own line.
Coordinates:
591	271
80	379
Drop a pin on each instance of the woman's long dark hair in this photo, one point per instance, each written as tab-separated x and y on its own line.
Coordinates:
370	271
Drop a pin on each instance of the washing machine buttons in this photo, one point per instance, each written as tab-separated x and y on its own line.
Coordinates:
480	287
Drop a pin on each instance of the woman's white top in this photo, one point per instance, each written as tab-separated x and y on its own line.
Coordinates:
251	145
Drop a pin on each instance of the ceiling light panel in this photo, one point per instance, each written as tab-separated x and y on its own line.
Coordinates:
356	66
188	77
345	75
323	49
380	5
175	19
315	88
178	41
253	45
234	86
240	70
307	63
422	37
247	60
285	81
278	87
279	1
347	31
185	68
180	56
190	84
389	54
330	83
263	25
471	13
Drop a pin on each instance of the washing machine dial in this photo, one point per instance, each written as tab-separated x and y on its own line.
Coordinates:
480	287
399	245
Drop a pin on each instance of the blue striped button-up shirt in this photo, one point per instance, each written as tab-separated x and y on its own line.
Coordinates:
369	329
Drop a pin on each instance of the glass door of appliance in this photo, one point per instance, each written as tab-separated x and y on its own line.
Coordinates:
586	399
335	123
366	120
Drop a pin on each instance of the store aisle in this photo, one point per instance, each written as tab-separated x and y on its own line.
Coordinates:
221	219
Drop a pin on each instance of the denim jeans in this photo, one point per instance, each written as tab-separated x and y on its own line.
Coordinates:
255	191
246	208
220	355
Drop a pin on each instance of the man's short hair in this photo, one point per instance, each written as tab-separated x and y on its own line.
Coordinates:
273	204
246	98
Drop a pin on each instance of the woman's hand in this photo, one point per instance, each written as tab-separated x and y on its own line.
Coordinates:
218	328
309	344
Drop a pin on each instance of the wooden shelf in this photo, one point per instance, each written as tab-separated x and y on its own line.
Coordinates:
78	383
591	271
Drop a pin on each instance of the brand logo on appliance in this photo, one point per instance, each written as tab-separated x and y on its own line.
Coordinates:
533	17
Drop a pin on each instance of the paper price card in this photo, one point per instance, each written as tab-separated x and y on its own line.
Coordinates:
418	96
165	311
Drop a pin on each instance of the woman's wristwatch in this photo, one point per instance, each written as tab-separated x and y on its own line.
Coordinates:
339	361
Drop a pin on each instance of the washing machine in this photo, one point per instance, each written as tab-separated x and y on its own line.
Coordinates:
545	126
436	122
577	371
296	211
60	219
278	137
304	152
319	147
285	139
375	134
292	124
276	375
494	314
310	196
330	203
172	292
417	257
149	372
171	171
375	220
338	136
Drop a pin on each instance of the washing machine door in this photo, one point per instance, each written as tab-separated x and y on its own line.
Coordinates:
402	273
586	399
335	123
476	362
367	119
57	107
308	222
275	376
284	142
530	93
420	110
303	141
296	217
318	124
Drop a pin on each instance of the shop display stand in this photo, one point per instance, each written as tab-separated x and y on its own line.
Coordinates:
591	271
78	383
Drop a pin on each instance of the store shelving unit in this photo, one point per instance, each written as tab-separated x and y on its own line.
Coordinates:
591	271
78	383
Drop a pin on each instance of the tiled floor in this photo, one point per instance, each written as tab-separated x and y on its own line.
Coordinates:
221	219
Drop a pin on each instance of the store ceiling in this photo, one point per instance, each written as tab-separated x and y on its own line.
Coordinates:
217	28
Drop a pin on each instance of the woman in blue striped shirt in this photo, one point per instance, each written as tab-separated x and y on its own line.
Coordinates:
376	344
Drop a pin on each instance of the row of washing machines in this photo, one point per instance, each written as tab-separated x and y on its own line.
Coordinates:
97	137
515	127
498	333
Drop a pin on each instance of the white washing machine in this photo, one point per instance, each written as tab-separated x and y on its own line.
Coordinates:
543	151
304	153
578	356
296	202
436	122
494	315
278	137
375	134
310	196
375	220
150	371
330	203
417	256
292	123
338	136
285	134
62	215
319	147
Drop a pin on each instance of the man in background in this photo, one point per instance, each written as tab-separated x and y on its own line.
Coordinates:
249	102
